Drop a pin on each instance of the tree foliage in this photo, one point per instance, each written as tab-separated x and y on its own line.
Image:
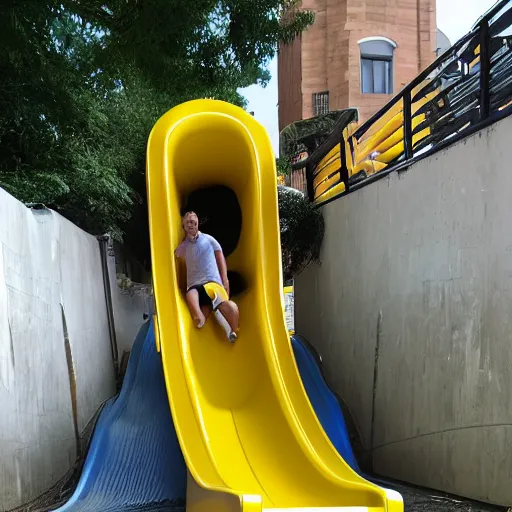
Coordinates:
283	166
83	81
302	231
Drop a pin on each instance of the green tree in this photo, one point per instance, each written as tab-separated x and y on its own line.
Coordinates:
302	231
283	166
82	83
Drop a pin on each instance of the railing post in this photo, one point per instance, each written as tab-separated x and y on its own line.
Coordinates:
309	182
485	65
407	125
343	163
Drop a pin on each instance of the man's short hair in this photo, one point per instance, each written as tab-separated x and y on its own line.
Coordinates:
188	214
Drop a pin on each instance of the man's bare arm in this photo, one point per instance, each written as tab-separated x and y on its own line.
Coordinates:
223	269
181	272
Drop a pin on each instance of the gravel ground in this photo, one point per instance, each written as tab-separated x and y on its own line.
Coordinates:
419	499
416	499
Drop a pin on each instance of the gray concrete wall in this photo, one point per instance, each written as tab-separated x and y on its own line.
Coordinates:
418	266
47	267
130	302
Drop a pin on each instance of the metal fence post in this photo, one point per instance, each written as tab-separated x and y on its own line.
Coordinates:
310	183
485	64
343	163
407	125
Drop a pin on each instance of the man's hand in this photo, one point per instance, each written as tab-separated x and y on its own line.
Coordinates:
225	282
223	269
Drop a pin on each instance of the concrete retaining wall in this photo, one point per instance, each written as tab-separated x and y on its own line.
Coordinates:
54	346
129	306
417	268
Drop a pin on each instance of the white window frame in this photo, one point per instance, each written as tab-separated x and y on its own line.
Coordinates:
374	57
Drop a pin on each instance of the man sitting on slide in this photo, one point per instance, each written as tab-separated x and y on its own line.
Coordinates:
207	278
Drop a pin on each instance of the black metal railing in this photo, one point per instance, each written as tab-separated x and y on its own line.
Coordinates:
464	90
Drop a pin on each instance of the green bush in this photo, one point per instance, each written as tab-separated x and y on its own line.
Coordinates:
302	231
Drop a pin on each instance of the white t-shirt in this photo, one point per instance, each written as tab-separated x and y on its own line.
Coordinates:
199	256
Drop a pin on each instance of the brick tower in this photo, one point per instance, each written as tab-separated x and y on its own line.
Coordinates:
357	54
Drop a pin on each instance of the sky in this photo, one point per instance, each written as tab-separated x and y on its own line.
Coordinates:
454	17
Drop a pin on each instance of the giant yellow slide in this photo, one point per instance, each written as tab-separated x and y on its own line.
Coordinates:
248	432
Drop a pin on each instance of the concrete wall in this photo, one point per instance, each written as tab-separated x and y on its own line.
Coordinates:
418	267
129	307
54	346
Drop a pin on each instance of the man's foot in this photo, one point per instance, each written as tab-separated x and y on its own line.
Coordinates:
230	312
199	321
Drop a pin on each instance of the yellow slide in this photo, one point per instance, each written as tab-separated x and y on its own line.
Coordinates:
249	435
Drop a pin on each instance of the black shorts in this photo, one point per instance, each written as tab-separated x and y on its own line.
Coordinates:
204	299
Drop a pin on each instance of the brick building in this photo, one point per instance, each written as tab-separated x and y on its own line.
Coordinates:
357	54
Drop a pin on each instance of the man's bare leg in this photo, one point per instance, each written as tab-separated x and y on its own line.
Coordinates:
195	310
230	312
206	310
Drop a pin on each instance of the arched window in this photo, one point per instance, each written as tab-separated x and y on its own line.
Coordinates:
377	65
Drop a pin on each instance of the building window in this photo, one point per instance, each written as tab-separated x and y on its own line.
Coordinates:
377	65
320	103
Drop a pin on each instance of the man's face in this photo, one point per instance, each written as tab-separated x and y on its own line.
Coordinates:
190	225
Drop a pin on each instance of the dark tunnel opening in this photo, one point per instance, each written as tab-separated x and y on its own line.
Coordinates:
220	216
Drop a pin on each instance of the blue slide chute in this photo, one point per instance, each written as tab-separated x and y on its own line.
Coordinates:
134	461
324	401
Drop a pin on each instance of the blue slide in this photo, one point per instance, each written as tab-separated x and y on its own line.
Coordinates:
324	401
134	461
